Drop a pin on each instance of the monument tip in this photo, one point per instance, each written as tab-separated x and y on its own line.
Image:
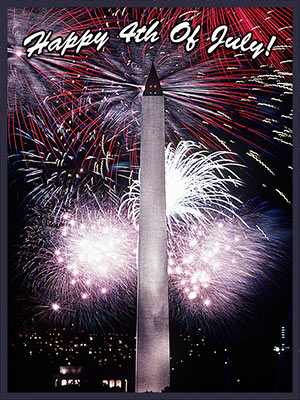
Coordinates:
152	87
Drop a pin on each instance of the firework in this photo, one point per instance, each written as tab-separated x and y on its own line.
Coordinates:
213	101
31	81
197	186
221	272
97	247
220	100
80	266
80	261
56	167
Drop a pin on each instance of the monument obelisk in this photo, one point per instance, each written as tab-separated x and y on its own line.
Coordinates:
153	347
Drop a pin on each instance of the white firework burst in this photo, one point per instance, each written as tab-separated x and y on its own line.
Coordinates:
97	247
218	273
81	263
197	186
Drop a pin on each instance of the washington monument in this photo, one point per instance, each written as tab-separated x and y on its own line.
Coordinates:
153	347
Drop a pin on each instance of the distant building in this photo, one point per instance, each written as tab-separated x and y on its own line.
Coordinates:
121	383
80	376
69	376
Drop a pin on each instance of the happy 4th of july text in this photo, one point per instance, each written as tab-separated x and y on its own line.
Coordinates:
182	33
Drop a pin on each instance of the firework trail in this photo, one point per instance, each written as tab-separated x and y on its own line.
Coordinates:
57	168
201	101
197	186
222	101
32	80
259	21
215	102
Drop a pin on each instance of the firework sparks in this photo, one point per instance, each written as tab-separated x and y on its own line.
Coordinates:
197	186
31	81
221	271
83	265
55	307
96	248
59	167
81	260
